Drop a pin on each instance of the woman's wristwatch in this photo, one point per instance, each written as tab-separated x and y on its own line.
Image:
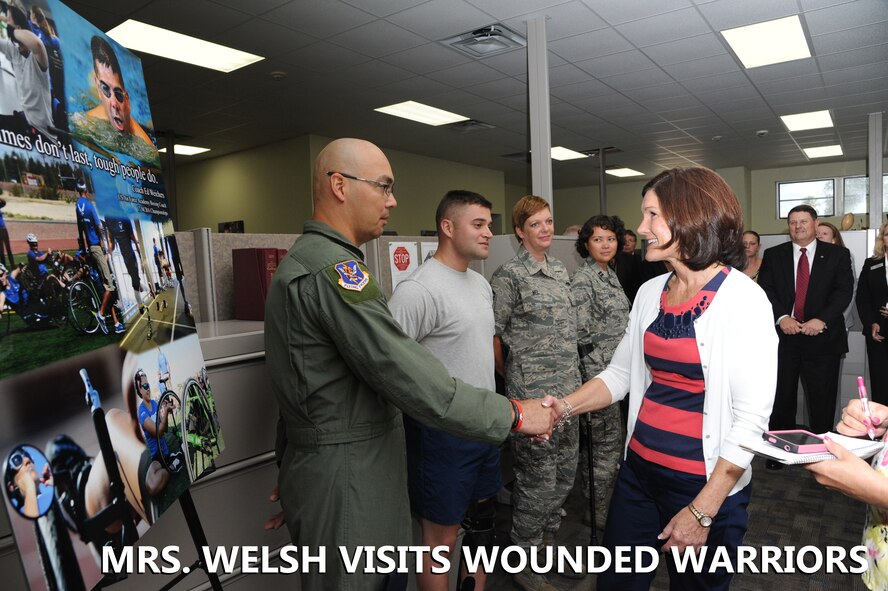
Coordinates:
702	518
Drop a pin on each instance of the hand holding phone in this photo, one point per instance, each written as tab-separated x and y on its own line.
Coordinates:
796	441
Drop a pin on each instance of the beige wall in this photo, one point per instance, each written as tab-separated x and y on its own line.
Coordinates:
270	188
764	191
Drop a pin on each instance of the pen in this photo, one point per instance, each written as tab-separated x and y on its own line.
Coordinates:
861	389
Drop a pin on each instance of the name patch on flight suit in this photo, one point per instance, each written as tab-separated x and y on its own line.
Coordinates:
354	281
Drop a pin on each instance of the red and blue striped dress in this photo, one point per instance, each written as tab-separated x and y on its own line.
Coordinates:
669	428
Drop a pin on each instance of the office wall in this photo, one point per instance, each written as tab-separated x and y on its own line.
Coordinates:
764	190
269	187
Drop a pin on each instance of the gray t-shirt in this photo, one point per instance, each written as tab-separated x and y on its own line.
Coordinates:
33	86
451	314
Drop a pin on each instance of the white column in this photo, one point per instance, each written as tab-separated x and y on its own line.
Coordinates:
874	169
540	127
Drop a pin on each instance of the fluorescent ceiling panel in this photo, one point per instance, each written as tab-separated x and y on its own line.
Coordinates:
175	46
421	113
823	151
184	150
803	121
623	172
770	42
562	153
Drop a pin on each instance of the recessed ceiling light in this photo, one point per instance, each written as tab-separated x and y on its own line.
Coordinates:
770	42
421	113
823	151
803	121
623	172
184	150
562	153
175	46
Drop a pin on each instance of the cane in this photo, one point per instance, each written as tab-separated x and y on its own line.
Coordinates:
590	448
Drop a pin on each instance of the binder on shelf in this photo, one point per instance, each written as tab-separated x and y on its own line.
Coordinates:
252	269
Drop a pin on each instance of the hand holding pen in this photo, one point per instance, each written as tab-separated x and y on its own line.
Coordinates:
856	422
861	390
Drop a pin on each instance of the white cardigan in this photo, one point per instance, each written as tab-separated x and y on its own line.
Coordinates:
737	342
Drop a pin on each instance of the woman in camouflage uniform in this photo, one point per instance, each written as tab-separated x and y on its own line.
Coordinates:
535	320
602	315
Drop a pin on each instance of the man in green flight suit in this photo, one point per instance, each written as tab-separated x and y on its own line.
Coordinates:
343	371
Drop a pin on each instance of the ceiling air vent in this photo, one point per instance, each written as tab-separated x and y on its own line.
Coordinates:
468	126
486	41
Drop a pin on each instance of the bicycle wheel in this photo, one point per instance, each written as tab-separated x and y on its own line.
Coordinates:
83	308
169	443
201	432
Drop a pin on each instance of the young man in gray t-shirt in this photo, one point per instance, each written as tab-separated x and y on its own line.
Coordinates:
448	308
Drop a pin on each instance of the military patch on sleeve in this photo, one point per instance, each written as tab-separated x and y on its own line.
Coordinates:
351	276
353	282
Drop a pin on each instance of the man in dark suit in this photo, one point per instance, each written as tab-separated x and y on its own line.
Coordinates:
810	284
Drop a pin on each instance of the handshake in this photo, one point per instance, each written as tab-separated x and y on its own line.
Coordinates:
539	416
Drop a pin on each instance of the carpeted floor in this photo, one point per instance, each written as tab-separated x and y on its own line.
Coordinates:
788	508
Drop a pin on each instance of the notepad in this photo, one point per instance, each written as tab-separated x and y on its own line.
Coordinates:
862	448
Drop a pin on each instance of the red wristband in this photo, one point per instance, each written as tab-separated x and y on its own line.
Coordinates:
518	419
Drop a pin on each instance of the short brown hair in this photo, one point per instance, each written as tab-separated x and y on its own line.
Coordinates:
526	207
704	216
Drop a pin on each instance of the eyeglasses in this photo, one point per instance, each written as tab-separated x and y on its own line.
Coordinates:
387	188
145	386
17	459
119	93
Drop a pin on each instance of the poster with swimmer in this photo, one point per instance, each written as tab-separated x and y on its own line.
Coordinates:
107	410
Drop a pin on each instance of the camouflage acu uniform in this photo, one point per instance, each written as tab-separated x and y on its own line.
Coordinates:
602	315
535	319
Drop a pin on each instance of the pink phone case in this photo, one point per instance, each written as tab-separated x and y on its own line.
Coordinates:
779	439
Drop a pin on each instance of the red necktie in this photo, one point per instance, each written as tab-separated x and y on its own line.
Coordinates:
803	274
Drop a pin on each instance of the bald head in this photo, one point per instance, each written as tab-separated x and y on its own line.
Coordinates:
348	188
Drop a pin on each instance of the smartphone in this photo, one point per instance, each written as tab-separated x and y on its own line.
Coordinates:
796	441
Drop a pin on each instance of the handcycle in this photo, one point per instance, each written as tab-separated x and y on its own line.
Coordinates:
192	426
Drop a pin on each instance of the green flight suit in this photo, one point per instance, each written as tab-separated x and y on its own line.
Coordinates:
343	371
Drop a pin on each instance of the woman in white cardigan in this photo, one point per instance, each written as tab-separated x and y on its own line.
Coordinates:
699	363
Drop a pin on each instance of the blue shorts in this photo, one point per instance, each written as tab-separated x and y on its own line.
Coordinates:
446	473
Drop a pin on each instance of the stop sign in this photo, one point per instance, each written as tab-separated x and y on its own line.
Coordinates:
401	258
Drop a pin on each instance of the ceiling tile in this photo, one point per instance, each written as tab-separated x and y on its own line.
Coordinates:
683	50
381	8
263	38
856	74
440	19
621	12
563	20
503	9
727	14
590	45
254	7
196	17
323	57
784	70
427	58
632	80
466	75
377	39
497	89
723	95
373	74
855	57
414	88
846	16
875	34
707	66
617	63
565	75
334	18
590	88
671	26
